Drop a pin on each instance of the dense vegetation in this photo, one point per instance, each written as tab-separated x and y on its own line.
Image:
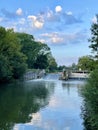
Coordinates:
19	52
87	63
90	90
12	60
90	108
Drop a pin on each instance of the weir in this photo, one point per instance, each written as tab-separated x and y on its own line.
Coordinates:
78	75
74	75
65	75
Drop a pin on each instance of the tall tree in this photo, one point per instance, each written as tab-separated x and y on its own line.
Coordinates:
94	37
31	48
11	56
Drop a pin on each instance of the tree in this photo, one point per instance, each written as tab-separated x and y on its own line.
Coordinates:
10	49
74	67
61	68
90	90
32	49
94	37
41	62
5	69
86	63
52	63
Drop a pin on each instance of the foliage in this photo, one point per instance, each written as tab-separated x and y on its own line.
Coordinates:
19	51
90	108
5	69
73	67
60	68
33	50
41	62
90	90
11	56
86	63
94	38
52	63
38	54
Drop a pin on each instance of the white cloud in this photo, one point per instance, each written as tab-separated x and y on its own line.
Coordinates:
94	19
36	22
58	9
57	39
69	13
65	38
19	11
41	40
32	17
53	37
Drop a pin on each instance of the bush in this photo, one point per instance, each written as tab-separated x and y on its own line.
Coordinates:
90	96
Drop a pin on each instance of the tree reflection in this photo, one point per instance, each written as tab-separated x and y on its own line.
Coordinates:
18	101
67	87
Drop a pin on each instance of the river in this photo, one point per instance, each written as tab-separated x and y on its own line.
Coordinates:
42	104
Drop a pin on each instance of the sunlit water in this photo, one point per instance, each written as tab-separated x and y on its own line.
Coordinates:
43	104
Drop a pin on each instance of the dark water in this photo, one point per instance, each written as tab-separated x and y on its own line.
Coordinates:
44	104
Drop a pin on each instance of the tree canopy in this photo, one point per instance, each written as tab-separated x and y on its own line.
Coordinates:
12	60
38	54
86	63
19	51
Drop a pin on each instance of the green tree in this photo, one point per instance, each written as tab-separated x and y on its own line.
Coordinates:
5	69
90	96
90	90
32	49
9	49
41	62
52	64
94	38
86	63
74	67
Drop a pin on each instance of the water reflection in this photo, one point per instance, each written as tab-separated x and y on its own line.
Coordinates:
41	105
18	101
72	84
62	112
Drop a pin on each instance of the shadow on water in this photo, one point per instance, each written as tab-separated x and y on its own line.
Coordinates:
18	101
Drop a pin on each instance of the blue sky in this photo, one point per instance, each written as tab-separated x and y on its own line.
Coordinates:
62	24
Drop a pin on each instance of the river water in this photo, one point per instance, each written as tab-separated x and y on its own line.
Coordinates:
43	104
